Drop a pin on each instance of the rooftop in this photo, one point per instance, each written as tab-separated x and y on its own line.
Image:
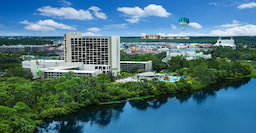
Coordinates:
146	74
66	71
135	61
40	60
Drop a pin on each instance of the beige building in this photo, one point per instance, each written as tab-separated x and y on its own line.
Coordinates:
163	37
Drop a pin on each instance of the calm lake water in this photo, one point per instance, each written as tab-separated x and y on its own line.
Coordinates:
224	108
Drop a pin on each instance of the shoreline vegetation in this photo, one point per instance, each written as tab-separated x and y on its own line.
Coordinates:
25	103
132	98
194	89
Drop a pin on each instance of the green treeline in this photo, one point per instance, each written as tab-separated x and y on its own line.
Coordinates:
10	66
24	102
24	41
202	72
237	54
9	61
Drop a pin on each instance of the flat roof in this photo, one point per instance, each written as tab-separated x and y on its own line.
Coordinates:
60	67
146	74
135	61
41	60
66	71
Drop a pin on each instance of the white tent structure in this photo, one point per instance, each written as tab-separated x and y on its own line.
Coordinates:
225	42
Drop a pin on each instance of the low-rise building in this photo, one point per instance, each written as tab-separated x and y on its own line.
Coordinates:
163	37
225	43
187	55
23	48
127	66
56	68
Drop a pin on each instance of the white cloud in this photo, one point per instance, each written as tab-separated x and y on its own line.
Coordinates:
162	34
115	26
65	13
188	34
213	3
195	25
247	5
246	30
155	10
134	14
143	34
234	24
97	13
94	29
173	26
65	3
45	25
90	34
94	8
134	19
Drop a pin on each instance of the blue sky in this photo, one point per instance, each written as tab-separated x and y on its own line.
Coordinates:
127	17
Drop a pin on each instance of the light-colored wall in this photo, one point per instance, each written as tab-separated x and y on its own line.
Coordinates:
149	65
34	65
115	54
114	57
70	35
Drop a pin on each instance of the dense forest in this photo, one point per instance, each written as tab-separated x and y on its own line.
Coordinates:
233	54
24	102
24	41
9	61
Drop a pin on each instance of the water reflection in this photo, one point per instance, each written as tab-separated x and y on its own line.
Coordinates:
103	115
210	91
154	103
74	123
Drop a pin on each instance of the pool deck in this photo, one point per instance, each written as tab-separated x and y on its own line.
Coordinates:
134	79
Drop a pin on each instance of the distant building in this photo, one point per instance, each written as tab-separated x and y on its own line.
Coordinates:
193	44
57	42
22	48
206	45
225	42
127	66
163	37
151	37
187	55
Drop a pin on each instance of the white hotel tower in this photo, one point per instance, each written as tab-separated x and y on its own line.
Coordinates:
96	53
83	56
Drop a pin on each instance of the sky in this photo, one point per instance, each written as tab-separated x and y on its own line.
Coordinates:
127	17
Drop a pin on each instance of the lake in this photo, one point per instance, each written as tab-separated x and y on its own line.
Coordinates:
222	108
